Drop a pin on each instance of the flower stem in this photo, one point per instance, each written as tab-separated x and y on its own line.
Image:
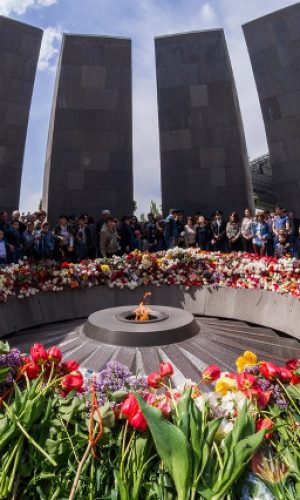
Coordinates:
79	469
30	438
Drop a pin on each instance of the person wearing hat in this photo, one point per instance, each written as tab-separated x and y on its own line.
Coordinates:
218	229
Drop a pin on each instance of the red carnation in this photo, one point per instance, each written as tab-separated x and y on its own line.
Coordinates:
72	381
55	354
210	374
65	265
166	370
264	423
70	366
38	354
269	370
154	380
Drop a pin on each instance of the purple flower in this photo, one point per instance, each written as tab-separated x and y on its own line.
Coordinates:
116	377
10	360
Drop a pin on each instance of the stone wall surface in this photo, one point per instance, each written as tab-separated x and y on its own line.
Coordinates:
19	52
89	154
274	46
280	312
204	163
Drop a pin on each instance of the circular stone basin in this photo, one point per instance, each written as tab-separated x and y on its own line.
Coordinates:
167	325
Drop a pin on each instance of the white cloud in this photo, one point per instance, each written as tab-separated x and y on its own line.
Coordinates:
50	48
19	7
207	12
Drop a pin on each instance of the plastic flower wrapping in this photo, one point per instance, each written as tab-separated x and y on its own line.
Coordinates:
186	267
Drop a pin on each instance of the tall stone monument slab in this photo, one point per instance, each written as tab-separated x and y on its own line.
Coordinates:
89	153
204	163
274	46
19	52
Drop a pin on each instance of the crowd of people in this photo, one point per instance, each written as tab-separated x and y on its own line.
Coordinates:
73	239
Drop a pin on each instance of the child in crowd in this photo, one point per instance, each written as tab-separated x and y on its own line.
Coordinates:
282	248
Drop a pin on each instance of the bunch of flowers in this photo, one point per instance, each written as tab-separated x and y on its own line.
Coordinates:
187	267
117	434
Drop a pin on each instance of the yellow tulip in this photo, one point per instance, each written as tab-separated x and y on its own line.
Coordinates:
248	359
225	384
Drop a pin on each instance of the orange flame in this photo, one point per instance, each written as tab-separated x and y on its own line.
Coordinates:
142	312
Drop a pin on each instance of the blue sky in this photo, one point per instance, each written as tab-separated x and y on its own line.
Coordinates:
140	20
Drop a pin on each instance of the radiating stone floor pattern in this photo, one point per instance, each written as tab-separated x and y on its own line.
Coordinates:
219	342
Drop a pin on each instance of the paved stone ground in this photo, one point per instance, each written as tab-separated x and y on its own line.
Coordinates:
219	342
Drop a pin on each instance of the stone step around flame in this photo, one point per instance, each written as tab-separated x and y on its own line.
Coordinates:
219	342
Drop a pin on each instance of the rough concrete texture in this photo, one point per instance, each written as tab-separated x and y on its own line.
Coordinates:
204	164
89	154
19	51
274	46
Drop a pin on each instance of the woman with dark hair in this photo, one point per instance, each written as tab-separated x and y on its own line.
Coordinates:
126	236
189	233
233	232
246	231
260	232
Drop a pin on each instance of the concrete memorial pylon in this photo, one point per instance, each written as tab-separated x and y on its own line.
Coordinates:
204	162
89	153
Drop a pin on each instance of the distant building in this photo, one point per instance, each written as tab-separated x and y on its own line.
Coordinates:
261	173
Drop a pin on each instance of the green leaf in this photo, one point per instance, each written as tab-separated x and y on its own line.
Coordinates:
4	347
184	412
3	372
119	395
294	391
172	447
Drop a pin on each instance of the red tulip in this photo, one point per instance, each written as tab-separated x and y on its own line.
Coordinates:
32	370
269	370
138	422
295	380
210	374
166	370
130	406
285	375
72	381
264	423
70	366
38	354
54	354
263	398
248	384
293	364
154	380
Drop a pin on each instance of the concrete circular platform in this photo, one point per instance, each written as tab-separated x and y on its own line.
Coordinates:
169	325
220	342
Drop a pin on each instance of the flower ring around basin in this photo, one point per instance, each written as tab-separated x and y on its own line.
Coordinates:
118	326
